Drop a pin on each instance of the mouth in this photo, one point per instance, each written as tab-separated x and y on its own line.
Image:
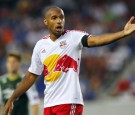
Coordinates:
59	28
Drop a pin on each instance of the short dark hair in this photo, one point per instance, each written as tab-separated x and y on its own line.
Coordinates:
15	55
49	8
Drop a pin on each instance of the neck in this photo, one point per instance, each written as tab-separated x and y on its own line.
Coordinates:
54	37
13	76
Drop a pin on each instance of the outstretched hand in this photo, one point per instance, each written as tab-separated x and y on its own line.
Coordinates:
130	26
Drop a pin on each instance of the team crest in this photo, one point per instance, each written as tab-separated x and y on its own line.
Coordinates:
63	44
43	51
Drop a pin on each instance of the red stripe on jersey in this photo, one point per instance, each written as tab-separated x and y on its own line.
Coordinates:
46	37
65	31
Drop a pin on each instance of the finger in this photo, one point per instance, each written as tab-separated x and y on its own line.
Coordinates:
133	26
131	19
4	112
10	111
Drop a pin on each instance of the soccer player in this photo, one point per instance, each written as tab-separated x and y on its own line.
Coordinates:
58	56
8	84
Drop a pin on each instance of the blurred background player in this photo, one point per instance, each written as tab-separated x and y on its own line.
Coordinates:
9	82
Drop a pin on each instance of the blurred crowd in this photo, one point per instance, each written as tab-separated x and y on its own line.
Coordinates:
21	26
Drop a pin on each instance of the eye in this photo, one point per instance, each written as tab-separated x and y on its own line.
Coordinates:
53	17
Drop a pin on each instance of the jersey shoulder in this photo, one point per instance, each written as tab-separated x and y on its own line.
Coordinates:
41	42
70	33
77	31
43	39
76	35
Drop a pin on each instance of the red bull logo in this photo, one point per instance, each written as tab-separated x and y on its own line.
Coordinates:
66	62
55	65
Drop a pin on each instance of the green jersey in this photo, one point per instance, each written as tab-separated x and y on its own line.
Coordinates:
7	87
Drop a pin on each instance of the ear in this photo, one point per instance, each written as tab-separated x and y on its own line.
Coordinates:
45	22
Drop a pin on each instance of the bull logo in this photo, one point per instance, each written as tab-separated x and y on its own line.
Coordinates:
55	65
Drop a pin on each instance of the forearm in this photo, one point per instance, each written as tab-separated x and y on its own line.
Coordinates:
25	84
105	38
35	109
1	107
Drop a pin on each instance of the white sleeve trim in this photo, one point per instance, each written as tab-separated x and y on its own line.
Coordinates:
34	72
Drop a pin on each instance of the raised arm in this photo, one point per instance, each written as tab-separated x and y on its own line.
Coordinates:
109	38
25	84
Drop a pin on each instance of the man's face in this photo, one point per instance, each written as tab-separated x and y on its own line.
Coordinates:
55	21
12	64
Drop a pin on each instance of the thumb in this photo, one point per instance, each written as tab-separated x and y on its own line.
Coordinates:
131	19
4	112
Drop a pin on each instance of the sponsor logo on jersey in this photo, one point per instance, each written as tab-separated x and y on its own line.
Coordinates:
55	65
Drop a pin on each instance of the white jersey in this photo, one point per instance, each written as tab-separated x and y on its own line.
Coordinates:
60	61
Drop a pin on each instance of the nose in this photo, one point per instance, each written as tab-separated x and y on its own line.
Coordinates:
59	21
